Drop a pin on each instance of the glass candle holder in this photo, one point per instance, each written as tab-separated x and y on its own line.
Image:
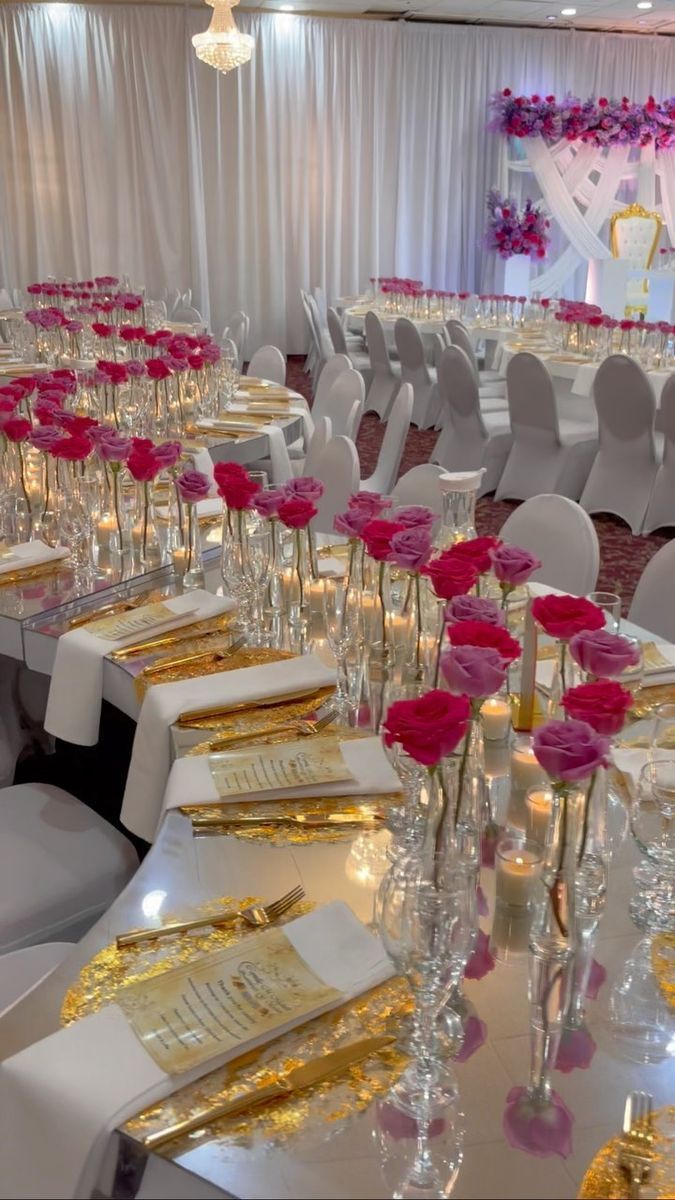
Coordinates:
518	863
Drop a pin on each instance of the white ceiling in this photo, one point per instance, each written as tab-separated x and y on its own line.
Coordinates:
620	15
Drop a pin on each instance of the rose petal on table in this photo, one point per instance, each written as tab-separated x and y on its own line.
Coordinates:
541	1129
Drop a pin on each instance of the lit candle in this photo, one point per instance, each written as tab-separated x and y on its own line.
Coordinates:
518	866
510	934
496	717
526	772
180	560
538	808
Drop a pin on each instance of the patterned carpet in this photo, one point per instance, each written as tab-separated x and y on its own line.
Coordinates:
623	557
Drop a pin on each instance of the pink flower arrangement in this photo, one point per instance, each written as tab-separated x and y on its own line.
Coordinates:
511	231
601	122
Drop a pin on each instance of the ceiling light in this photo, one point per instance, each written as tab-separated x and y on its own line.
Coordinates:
222	45
568	12
645	4
291	8
550	18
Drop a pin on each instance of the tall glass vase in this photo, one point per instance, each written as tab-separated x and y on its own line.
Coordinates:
188	560
590	888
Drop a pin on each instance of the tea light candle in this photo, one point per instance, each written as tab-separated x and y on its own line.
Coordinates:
180	560
518	865
538	808
526	772
496	718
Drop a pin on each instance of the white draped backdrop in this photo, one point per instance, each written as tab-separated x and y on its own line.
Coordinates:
346	148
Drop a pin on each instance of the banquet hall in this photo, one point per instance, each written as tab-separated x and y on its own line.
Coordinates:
337	565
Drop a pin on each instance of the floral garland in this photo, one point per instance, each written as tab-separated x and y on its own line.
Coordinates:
512	232
601	122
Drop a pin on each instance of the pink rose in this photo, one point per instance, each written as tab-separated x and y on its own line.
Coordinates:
603	654
296	512
157	369
113	447
16	429
476	551
476	671
415	516
377	536
168	453
306	487
371	502
474	608
143	465
513	565
411	548
563	616
135	368
351	523
428	728
570	751
603	705
268	503
45	437
193	486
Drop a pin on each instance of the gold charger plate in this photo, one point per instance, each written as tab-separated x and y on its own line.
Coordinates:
322	1107
663	964
605	1181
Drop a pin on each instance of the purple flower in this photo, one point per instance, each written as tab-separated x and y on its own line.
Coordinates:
575	1050
596	978
305	487
539	1128
112	447
475	1036
44	437
474	608
570	751
603	654
268	503
481	961
476	671
193	486
512	565
135	367
168	453
411	548
371	502
351	523
415	516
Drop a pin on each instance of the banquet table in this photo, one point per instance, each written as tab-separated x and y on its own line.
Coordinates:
344	1159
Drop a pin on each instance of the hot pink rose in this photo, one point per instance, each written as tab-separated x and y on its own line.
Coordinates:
512	565
476	671
428	728
114	372
143	465
102	330
603	705
193	486
157	369
296	512
304	486
72	449
225	470
476	551
377	536
237	490
603	654
474	608
450	576
16	429
411	548
563	616
481	633
570	751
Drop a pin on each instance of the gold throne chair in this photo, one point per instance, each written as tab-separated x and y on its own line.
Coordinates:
634	236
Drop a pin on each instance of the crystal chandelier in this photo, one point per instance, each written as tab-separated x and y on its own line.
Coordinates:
222	45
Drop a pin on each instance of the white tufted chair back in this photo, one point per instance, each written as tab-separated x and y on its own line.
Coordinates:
635	234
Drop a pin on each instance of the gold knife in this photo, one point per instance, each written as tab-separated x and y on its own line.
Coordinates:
180	633
363	818
186	719
169	664
315	1071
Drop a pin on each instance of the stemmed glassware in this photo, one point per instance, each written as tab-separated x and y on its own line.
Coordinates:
257	565
343	620
653	827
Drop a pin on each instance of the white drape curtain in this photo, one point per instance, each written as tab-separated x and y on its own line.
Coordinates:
346	148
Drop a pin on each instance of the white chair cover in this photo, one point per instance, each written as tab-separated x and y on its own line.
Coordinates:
562	536
393	444
547	455
61	865
420	485
470	439
22	970
322	338
5	299
347	390
321	302
414	370
338	469
323	431
268	363
312	360
336	365
623	474
661	510
491	383
652	605
342	345
385	377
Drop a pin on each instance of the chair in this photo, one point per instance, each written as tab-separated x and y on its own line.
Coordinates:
171	297
652	606
344	404
562	536
414	370
323	431
634	236
385	377
22	970
661	508
185	314
360	360
268	363
229	347
420	485
312	360
386	471
470	439
492	385
237	329
548	455
61	865
624	471
5	299
335	365
338	469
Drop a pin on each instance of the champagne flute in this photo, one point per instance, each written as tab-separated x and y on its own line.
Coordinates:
344	624
258	556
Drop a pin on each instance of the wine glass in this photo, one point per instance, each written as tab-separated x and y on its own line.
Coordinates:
653	828
257	561
344	625
610	603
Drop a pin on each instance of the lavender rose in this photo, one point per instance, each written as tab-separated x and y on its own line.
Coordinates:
604	654
112	447
168	453
305	487
570	751
351	523
475	671
193	486
268	503
371	502
44	437
415	516
512	565
411	548
474	608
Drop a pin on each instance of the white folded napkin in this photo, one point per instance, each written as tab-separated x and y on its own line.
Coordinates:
163	704
210	508
76	688
30	554
61	1097
191	781
630	763
663	673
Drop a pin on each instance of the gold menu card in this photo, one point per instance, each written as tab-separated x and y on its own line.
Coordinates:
223	1002
276	768
123	625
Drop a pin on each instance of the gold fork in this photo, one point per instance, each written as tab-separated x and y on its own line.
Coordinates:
635	1152
170	664
304	728
256	915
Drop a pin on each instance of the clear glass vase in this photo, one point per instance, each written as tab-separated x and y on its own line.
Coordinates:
459	511
188	558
